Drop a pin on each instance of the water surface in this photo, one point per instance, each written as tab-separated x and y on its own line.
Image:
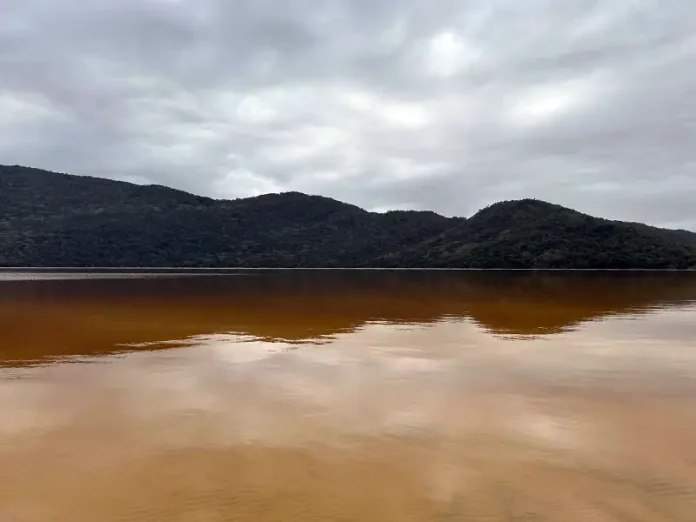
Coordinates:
348	396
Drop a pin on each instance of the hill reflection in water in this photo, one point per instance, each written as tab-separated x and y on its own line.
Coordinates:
49	317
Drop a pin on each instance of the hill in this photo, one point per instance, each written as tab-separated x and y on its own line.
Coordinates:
535	234
50	219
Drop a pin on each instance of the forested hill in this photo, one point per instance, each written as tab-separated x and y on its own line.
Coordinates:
50	219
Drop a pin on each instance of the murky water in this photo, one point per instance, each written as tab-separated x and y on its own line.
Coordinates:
348	396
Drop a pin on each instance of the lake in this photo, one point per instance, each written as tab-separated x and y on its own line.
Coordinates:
347	396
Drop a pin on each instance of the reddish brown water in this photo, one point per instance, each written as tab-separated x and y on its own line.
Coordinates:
348	396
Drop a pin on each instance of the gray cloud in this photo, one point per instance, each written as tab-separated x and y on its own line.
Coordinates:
382	103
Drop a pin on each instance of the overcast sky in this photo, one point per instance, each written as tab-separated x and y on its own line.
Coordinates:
446	105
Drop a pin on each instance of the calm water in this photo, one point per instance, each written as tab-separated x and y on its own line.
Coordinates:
348	396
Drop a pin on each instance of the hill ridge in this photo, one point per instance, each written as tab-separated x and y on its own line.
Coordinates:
54	219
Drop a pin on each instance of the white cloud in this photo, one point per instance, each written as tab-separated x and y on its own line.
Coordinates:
544	103
254	109
243	183
449	54
22	110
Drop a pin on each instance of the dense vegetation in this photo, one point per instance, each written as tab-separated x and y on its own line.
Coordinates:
50	219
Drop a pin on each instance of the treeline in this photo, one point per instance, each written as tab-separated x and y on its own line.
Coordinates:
50	219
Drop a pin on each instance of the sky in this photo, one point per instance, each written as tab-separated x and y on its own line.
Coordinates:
444	105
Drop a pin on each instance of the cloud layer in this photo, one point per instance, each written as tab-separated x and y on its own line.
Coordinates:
446	106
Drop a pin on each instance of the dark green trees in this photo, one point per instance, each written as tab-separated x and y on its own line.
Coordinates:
49	219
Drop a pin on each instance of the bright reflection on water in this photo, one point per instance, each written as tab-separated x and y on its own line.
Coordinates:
302	396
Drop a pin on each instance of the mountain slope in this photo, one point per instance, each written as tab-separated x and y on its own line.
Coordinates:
49	219
535	234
